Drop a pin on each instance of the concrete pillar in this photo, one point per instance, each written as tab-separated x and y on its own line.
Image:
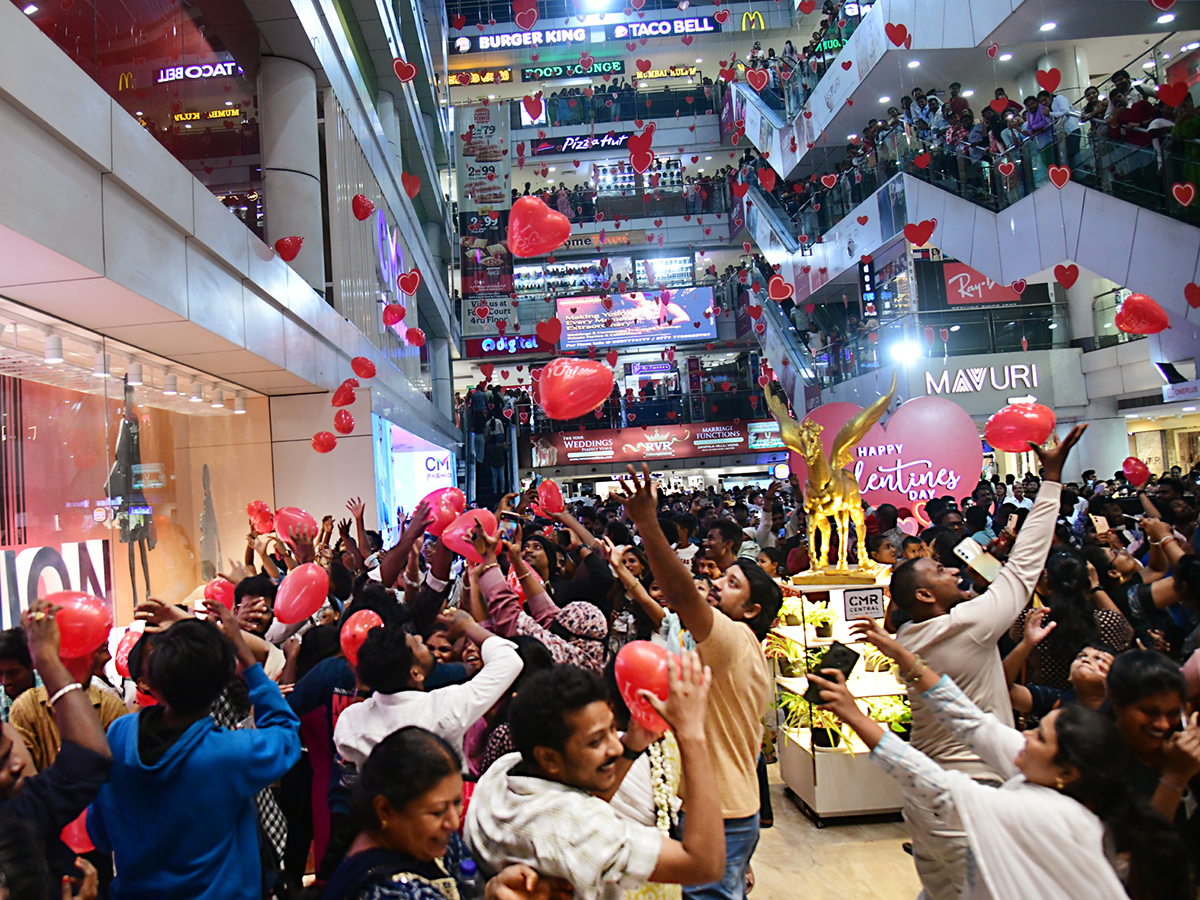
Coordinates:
386	108
1103	447
287	96
1072	62
1080	297
440	376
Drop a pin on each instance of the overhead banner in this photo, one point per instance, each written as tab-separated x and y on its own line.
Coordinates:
484	170
638	317
657	442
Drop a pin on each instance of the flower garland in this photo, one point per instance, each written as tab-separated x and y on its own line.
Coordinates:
662	777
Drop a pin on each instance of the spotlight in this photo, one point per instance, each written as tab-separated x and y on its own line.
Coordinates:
239	403
53	349
1166	18
133	374
1048	26
914	63
197	393
1005	57
170	385
100	365
218	400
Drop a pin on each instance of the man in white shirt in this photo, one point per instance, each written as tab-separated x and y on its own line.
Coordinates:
958	636
394	664
684	548
1018	496
546	805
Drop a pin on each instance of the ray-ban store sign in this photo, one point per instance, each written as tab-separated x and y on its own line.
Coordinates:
574	70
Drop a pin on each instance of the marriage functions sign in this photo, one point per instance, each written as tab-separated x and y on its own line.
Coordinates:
928	448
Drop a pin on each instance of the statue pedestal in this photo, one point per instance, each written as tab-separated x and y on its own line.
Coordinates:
872	573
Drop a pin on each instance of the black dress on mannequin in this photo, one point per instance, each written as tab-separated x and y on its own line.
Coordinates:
133	512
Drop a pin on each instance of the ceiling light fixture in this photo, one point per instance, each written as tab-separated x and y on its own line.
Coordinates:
100	365
968	93
197	393
54	351
239	403
1005	57
218	399
30	9
133	374
1166	18
914	63
885	99
170	385
1048	26
1189	409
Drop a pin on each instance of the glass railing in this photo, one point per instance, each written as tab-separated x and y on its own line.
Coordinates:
692	198
610	103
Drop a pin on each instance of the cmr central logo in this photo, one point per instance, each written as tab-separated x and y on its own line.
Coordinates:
975	379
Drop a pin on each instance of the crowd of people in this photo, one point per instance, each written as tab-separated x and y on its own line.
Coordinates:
451	724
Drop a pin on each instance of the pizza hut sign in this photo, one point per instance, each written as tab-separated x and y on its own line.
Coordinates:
928	448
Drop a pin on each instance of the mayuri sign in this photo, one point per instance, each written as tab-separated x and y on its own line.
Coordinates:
662	28
1000	378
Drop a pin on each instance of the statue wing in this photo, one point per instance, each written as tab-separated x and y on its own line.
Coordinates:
842	452
789	428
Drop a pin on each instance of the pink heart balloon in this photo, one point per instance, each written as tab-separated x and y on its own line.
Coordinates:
288	518
83	622
1011	427
445	505
929	448
220	590
551	497
354	632
457	535
301	593
642	665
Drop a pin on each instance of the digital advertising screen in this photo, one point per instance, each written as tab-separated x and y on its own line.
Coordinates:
638	317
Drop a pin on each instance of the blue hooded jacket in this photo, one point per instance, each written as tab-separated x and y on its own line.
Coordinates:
186	826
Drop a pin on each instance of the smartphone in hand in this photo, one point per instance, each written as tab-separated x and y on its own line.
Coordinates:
839	657
978	560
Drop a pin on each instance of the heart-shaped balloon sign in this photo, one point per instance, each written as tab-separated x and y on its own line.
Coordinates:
445	505
1011	427
642	665
458	534
929	447
535	229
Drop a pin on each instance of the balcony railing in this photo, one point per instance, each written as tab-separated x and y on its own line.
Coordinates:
692	198
610	103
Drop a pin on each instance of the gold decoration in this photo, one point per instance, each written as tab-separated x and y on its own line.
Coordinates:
831	495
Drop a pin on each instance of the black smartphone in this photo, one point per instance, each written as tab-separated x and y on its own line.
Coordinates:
839	657
510	527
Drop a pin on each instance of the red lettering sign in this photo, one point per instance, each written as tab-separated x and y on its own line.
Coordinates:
966	287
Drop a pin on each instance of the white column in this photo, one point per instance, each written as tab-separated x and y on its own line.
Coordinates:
440	376
1072	62
386	108
1080	297
287	96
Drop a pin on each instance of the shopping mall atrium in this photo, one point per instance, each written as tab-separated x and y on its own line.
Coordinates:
266	250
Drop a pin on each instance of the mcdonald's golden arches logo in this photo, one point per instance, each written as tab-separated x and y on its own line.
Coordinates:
125	81
752	20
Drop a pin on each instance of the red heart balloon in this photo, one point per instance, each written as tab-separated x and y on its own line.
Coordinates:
263	524
121	657
930	447
288	247
291	518
256	508
220	590
535	229
551	497
642	665
393	313
1136	471
355	630
1140	314
1010	428
301	593
573	387
344	395
416	337
83	623
457	535
324	441
343	421
445	505
362	207
363	367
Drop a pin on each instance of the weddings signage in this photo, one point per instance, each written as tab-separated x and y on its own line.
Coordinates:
654	442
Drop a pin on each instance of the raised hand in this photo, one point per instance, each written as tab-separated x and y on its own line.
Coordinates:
356	507
1052	459
1037	629
642	501
687	700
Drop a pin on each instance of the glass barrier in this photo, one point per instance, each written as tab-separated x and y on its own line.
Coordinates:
616	103
696	197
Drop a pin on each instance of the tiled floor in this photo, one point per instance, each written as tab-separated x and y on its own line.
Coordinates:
838	862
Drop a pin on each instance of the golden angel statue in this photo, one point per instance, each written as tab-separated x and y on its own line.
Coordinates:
831	490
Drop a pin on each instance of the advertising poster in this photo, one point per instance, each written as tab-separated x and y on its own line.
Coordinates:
658	442
487	266
638	317
484	169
